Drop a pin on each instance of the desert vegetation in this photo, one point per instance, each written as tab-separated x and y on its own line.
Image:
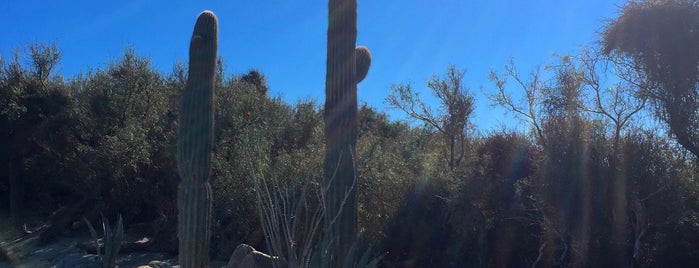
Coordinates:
605	173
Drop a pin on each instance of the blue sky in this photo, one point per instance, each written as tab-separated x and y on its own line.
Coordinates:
410	40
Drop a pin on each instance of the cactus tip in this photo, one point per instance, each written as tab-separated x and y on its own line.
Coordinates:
208	13
207	19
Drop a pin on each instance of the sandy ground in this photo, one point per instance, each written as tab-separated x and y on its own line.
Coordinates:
26	251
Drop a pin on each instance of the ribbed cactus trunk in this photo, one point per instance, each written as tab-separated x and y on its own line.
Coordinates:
341	126
194	142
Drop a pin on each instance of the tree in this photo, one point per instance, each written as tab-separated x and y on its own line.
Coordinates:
504	162
257	79
563	178
530	108
30	101
451	120
573	147
660	37
389	162
618	103
122	108
663	227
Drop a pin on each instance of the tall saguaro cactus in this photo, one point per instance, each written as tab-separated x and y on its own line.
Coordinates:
345	68
194	142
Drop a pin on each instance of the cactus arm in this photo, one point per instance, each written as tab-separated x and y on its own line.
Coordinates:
194	142
363	62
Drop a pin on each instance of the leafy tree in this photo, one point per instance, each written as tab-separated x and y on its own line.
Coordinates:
564	170
575	167
451	120
660	37
504	161
389	162
584	198
255	78
663	202
34	102
256	132
124	105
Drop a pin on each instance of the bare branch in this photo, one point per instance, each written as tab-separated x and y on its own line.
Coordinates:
529	110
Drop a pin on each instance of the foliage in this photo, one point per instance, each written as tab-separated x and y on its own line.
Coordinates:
662	185
589	185
451	121
583	197
660	38
389	161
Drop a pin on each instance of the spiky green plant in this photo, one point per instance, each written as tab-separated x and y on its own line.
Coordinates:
346	66
111	241
322	256
194	141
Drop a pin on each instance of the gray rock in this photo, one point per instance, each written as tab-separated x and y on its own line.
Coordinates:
246	256
160	264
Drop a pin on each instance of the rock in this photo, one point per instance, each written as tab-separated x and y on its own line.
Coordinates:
64	217
4	256
238	255
246	256
78	260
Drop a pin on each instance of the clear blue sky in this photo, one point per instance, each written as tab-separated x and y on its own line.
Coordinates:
285	39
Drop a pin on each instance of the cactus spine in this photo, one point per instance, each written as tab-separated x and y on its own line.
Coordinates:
194	142
346	66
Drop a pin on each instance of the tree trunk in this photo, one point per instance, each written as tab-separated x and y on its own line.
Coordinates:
16	192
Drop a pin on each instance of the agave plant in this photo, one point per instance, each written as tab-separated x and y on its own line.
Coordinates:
111	241
322	256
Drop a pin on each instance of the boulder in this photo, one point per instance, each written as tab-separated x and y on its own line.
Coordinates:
246	256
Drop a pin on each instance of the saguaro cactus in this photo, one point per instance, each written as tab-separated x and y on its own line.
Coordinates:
346	66
194	141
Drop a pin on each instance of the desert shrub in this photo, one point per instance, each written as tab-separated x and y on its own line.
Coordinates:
503	162
425	232
388	164
662	180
